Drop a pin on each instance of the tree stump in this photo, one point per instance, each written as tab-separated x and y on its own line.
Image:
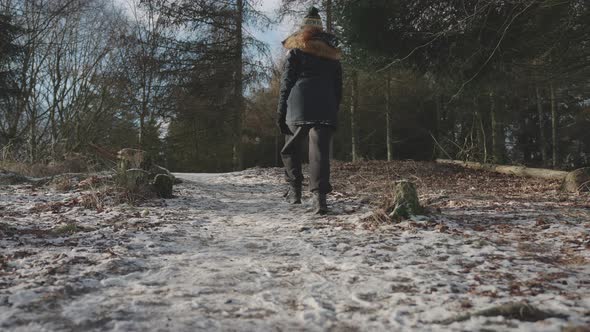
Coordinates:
131	158
577	181
405	201
156	170
140	175
136	180
163	185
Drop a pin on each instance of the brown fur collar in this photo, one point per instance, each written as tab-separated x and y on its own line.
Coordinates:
315	47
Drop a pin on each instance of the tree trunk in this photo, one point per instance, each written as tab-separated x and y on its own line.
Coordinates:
388	117
278	149
484	139
542	145
239	97
33	139
497	132
353	110
451	123
141	138
54	131
480	133
554	122
438	149
329	16
523	123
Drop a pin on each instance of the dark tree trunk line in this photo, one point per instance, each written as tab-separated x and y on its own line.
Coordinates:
388	115
353	110
238	93
541	123
497	129
329	16
554	124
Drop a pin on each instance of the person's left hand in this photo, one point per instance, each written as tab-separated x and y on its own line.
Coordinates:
284	128
282	124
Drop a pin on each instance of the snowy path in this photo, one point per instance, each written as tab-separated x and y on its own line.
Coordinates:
228	254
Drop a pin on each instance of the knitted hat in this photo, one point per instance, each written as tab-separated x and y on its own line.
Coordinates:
312	18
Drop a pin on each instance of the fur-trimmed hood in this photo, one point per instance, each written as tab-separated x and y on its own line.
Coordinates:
323	45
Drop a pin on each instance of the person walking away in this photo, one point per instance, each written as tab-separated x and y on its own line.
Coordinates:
310	96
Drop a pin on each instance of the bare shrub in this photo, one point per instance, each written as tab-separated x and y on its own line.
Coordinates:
71	163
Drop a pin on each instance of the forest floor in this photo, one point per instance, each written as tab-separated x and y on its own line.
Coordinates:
228	254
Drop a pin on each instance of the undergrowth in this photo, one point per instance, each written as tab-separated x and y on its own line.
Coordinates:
70	163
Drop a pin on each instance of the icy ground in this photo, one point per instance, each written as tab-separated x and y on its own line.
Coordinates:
228	254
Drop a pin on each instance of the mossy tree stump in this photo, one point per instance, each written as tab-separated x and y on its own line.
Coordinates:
163	185
405	201
136	180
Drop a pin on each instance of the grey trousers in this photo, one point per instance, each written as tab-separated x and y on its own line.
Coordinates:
319	156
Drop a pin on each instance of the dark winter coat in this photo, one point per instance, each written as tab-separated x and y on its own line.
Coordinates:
311	85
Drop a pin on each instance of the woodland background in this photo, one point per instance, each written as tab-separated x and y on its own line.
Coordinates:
186	80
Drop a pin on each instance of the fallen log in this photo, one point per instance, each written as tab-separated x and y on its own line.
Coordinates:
542	173
519	311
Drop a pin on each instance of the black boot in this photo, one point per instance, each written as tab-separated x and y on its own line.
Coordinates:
320	206
293	195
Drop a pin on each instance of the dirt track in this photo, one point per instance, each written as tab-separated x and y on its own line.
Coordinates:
228	254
